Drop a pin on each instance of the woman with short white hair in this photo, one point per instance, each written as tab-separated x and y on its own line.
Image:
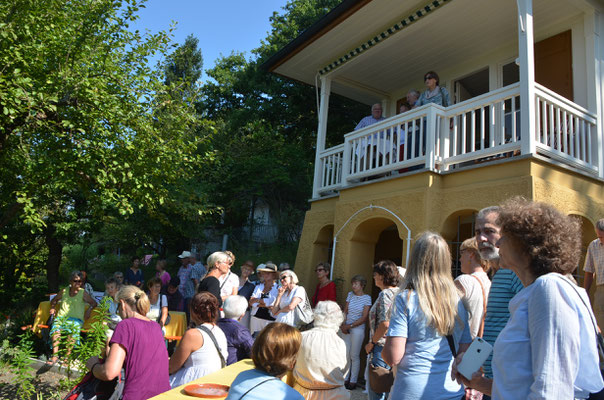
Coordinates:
290	295
239	339
318	377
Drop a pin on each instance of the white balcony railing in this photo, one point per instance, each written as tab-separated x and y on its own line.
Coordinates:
472	131
565	131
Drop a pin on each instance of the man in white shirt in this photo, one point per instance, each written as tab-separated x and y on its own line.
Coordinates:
594	265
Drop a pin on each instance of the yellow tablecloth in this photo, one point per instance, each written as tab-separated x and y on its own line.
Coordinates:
225	376
176	327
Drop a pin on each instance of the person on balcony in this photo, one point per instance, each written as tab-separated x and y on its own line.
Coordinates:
375	117
412	96
434	93
363	150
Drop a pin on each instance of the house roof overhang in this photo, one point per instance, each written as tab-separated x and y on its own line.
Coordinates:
451	33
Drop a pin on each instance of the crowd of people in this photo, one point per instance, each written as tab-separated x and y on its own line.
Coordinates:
516	293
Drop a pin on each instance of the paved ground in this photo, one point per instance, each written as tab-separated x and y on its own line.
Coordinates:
358	394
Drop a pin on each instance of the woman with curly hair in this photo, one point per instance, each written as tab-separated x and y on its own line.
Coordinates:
548	348
318	377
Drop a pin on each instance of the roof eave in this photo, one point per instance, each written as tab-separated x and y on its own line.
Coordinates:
322	26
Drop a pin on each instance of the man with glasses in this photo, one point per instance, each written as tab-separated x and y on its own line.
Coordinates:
504	285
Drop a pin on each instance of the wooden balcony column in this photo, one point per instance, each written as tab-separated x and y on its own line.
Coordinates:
321	133
526	64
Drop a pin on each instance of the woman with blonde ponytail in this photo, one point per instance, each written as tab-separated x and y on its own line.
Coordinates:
427	310
138	346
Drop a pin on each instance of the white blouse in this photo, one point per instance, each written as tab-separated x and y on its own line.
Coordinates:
548	348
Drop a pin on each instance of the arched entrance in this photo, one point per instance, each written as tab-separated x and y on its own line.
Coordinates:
321	252
373	240
588	234
458	227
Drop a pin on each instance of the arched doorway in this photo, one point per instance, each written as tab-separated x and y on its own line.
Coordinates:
458	227
588	234
373	240
321	252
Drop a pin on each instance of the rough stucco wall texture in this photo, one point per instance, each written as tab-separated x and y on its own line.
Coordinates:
424	202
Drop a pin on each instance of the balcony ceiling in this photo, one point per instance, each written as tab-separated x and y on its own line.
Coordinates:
458	31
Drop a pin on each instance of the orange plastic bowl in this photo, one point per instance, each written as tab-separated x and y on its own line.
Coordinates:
207	390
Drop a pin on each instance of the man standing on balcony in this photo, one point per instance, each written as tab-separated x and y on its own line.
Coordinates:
505	284
594	265
375	117
363	150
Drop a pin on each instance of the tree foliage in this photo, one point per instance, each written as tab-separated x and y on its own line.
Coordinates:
268	136
87	128
98	146
185	63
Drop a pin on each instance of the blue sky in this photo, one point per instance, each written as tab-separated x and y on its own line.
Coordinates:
221	26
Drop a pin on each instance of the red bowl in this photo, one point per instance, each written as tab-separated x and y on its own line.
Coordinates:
207	390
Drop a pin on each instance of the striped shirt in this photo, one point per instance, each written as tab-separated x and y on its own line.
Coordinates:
594	260
504	287
356	304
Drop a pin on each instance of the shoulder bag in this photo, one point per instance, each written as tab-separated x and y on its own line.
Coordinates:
256	385
381	379
303	312
484	306
211	335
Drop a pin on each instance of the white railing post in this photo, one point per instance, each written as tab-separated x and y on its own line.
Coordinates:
526	58
321	133
346	161
430	137
592	23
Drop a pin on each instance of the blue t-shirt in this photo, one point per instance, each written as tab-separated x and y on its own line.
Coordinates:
504	287
268	387
425	370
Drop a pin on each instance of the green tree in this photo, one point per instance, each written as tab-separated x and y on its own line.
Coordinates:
87	128
185	63
266	142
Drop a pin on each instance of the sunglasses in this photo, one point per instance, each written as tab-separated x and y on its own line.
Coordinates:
77	281
429	77
283	278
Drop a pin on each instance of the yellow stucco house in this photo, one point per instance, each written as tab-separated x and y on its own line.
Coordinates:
525	81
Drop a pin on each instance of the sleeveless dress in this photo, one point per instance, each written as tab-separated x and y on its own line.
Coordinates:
204	360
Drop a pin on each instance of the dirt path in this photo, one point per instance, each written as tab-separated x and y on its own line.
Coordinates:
46	383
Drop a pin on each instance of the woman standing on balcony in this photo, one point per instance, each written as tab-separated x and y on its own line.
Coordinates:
434	93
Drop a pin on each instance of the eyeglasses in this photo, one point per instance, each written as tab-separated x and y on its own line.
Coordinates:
319	270
428	77
77	281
